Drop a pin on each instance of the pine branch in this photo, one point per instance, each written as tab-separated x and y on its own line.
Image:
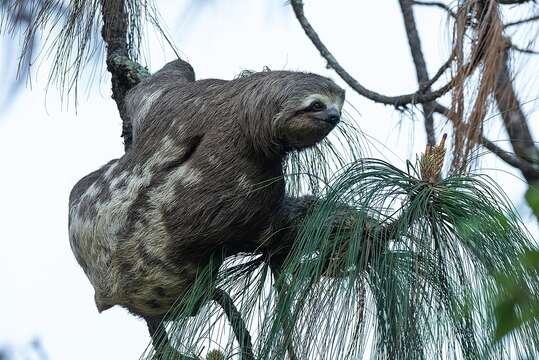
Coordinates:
125	73
162	346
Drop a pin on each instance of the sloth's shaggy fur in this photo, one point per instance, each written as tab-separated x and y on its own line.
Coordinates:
203	177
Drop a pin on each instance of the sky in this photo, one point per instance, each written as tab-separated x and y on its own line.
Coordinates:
47	145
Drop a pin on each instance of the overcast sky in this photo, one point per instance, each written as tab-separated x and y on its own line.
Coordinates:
45	147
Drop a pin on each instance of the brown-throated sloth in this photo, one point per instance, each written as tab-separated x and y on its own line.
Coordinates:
203	175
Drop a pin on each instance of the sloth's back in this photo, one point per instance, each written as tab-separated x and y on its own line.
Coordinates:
122	254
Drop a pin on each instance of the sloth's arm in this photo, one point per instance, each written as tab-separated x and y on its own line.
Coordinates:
139	99
343	219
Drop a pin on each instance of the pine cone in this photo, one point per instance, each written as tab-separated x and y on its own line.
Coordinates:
432	161
215	355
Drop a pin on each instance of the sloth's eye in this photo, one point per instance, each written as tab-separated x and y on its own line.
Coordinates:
317	106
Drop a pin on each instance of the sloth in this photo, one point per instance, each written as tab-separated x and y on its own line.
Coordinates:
202	178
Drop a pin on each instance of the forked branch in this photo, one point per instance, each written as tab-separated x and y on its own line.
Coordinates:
418	97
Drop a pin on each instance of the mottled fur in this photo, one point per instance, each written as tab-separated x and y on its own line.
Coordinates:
203	177
140	99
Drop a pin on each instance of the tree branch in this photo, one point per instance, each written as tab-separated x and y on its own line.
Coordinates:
420	66
418	97
506	156
243	337
513	2
515	121
125	73
438	73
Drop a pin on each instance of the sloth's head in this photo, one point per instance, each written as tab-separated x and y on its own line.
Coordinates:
310	109
294	110
309	117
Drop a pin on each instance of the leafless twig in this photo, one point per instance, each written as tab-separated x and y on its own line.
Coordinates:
523	21
513	2
524	50
438	73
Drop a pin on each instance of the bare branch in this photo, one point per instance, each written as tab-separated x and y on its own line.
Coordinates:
439	73
524	50
513	2
437	4
523	21
506	156
418	97
515	121
420	66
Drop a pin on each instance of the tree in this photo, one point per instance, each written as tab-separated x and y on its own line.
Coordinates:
410	246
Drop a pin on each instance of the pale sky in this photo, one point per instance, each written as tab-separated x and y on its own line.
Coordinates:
45	147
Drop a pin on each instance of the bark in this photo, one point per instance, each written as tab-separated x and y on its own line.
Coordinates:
420	66
125	73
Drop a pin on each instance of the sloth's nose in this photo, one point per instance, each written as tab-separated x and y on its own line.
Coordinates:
333	116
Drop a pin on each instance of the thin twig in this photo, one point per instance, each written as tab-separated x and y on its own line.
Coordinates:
524	51
513	2
437	4
243	337
438	73
418	97
523	21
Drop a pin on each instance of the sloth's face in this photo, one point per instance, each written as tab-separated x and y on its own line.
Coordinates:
312	120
